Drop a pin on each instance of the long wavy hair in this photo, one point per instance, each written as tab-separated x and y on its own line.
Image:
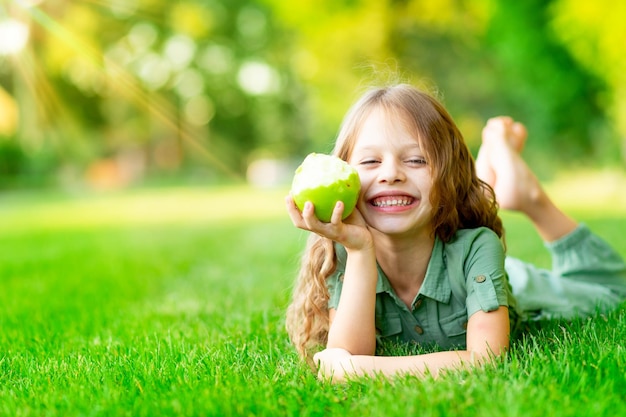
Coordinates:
459	198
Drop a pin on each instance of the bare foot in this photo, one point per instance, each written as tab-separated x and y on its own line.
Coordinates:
515	185
515	134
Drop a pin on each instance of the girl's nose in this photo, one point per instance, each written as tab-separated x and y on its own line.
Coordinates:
391	172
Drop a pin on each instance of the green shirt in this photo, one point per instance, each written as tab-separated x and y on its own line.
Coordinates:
463	276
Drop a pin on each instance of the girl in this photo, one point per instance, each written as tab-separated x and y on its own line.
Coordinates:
421	259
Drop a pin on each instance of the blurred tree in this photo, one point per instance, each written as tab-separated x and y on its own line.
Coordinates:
482	57
190	83
207	85
595	33
500	57
338	47
539	81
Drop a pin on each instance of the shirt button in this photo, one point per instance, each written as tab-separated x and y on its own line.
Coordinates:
480	278
419	330
418	303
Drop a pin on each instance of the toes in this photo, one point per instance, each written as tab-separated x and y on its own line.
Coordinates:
496	127
502	121
518	137
504	127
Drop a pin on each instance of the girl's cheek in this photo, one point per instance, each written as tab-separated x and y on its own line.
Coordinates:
365	184
362	173
365	178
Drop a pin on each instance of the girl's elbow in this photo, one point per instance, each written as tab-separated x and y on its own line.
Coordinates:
355	347
488	354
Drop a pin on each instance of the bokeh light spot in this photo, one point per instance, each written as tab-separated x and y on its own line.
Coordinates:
13	36
216	59
154	71
199	110
257	78
189	83
142	36
179	50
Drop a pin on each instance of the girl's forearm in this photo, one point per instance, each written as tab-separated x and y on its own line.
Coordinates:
388	366
353	327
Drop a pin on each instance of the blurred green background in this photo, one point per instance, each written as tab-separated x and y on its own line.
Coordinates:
112	93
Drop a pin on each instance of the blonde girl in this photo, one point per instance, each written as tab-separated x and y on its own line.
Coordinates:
421	260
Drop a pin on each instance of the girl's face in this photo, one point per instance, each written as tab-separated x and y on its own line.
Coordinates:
395	177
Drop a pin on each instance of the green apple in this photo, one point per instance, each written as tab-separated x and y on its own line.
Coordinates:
323	180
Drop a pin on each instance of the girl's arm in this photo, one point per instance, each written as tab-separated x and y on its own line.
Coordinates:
357	303
487	338
358	297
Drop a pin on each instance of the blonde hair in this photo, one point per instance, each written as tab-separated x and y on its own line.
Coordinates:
459	198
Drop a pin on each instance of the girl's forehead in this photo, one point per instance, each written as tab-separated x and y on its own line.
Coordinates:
382	127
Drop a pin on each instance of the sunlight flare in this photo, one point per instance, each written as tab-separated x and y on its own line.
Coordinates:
13	36
105	72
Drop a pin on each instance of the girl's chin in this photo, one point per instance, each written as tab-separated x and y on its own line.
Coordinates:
392	227
397	225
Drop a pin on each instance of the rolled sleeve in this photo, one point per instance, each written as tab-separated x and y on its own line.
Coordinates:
482	295
486	281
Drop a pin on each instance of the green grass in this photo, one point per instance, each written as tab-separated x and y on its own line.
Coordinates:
171	302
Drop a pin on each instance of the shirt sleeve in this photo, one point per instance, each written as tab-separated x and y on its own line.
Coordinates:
485	277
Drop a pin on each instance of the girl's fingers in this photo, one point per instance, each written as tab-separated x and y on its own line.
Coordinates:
337	215
336	229
294	213
310	219
308	211
306	218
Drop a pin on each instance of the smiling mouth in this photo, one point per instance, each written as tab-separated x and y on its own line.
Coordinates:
395	201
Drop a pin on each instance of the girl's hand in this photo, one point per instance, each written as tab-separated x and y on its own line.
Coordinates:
352	232
333	364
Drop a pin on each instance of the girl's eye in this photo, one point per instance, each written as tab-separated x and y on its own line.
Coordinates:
417	161
368	161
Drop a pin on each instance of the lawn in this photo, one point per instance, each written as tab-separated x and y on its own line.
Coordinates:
170	302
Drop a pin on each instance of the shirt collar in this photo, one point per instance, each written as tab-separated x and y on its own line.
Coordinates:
436	284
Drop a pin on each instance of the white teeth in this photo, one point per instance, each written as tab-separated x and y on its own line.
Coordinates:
392	202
